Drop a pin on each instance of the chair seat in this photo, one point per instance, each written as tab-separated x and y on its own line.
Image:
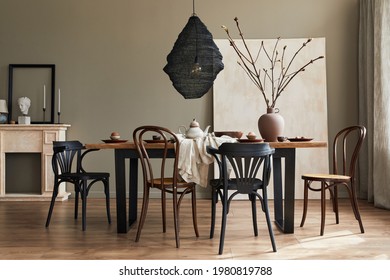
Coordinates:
217	183
326	177
84	175
257	184
168	182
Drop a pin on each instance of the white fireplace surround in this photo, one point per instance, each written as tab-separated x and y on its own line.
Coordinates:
35	138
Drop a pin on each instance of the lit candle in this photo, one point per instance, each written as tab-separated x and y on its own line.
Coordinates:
59	100
44	96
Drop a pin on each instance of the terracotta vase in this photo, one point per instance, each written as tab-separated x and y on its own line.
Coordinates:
271	125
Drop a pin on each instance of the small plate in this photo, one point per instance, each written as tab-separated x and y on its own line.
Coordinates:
114	141
250	140
300	139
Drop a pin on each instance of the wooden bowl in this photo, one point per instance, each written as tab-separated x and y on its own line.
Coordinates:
233	134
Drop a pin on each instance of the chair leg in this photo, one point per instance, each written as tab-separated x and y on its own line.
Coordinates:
176	218
355	207
84	191
223	224
107	193
164	210
252	198
336	203
194	214
76	201
305	201
145	204
323	207
214	197
53	200
269	224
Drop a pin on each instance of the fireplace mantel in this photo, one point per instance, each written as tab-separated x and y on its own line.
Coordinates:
34	138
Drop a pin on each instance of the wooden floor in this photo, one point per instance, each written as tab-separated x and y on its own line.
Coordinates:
24	236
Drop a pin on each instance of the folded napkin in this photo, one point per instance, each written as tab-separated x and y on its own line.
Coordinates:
194	160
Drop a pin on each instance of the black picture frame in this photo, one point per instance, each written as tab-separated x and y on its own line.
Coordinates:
40	115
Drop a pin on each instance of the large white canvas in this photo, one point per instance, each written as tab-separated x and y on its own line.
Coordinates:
238	104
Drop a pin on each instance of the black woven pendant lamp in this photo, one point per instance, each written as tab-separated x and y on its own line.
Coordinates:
195	60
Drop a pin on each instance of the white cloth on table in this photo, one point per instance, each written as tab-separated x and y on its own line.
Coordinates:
194	160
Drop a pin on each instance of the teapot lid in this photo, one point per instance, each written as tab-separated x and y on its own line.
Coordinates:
194	123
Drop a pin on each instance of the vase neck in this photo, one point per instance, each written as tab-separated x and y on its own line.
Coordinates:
271	110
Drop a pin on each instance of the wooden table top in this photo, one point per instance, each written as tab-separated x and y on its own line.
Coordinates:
286	145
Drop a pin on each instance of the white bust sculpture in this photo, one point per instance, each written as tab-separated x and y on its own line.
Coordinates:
24	104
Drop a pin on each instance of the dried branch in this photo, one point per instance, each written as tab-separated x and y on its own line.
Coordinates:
260	76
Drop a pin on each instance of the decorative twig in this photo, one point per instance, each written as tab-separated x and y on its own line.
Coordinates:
260	75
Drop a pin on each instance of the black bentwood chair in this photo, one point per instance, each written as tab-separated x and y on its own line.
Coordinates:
245	160
67	167
346	147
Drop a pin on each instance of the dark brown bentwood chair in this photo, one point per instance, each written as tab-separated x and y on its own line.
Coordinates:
246	161
163	176
67	167
346	147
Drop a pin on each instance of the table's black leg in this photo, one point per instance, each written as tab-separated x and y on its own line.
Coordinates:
133	190
120	165
120	177
289	191
284	213
278	192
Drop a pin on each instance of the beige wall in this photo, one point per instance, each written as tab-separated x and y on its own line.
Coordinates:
109	56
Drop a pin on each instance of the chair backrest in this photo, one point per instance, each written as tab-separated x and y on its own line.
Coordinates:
346	146
66	153
168	144
245	160
215	153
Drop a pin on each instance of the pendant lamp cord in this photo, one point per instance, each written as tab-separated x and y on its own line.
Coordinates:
193	8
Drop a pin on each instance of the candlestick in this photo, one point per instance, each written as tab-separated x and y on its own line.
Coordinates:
44	114
59	101
44	97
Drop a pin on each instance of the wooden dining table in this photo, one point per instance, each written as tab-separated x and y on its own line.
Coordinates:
283	208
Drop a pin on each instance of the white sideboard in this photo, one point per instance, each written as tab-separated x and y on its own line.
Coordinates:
34	138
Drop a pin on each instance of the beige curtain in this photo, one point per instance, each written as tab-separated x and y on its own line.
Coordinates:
374	100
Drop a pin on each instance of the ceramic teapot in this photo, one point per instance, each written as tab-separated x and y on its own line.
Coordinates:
194	130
